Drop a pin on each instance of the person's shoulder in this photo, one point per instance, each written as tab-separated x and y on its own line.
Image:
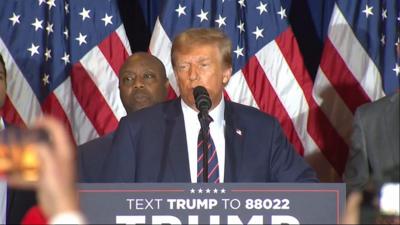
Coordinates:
155	112
249	113
377	106
96	142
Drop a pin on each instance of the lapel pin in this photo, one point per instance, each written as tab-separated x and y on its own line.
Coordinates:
239	132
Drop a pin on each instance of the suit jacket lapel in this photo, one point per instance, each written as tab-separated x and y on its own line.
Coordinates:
178	159
234	135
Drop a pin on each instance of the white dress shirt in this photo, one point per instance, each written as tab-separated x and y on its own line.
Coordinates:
3	189
217	128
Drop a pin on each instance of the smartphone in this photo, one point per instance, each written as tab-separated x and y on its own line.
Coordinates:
389	202
19	160
381	204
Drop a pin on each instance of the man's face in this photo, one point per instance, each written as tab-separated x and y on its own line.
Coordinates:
201	65
142	83
3	89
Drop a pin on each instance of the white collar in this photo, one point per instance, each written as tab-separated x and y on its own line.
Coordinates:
217	113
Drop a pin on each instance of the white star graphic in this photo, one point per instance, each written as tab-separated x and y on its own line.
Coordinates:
396	69
107	20
215	191
238	51
37	24
240	26
46	79
34	49
66	8
51	3
208	191
262	7
241	3
49	28
47	54
221	21
202	16
384	14
41	1
258	32
66	33
368	11
14	19
200	191
223	191
85	14
81	39
192	191
180	10
282	13
383	40
65	58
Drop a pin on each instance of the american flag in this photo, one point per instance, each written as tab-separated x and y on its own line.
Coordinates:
268	69
62	58
360	62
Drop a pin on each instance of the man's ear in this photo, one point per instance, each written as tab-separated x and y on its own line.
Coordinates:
226	75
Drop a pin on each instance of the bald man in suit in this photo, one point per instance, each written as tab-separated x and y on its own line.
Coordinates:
142	83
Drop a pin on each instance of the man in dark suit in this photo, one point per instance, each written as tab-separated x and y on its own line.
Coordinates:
374	153
142	83
160	143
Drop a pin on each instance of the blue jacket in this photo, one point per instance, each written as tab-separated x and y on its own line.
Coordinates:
150	146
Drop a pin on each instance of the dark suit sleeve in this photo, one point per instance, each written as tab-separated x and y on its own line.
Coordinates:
80	165
121	160
287	164
356	173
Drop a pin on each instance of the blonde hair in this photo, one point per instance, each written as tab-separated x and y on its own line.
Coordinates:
203	36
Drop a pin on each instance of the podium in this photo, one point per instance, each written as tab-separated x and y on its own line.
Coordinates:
228	203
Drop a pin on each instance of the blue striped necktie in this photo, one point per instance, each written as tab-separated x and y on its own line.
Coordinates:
213	167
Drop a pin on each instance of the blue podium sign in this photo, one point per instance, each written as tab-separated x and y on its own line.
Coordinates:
228	203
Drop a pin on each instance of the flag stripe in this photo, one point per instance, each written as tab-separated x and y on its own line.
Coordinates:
82	128
239	91
354	55
112	49
94	105
120	31
337	111
341	78
264	92
318	132
51	106
99	72
23	99
10	114
159	43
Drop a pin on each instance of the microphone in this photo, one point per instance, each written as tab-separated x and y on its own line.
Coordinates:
202	99
203	104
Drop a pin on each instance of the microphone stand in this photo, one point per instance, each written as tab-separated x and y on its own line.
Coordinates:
205	127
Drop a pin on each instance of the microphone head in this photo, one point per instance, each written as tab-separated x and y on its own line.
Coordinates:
202	99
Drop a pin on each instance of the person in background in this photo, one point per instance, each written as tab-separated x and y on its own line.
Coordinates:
160	143
3	184
142	83
374	153
14	203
